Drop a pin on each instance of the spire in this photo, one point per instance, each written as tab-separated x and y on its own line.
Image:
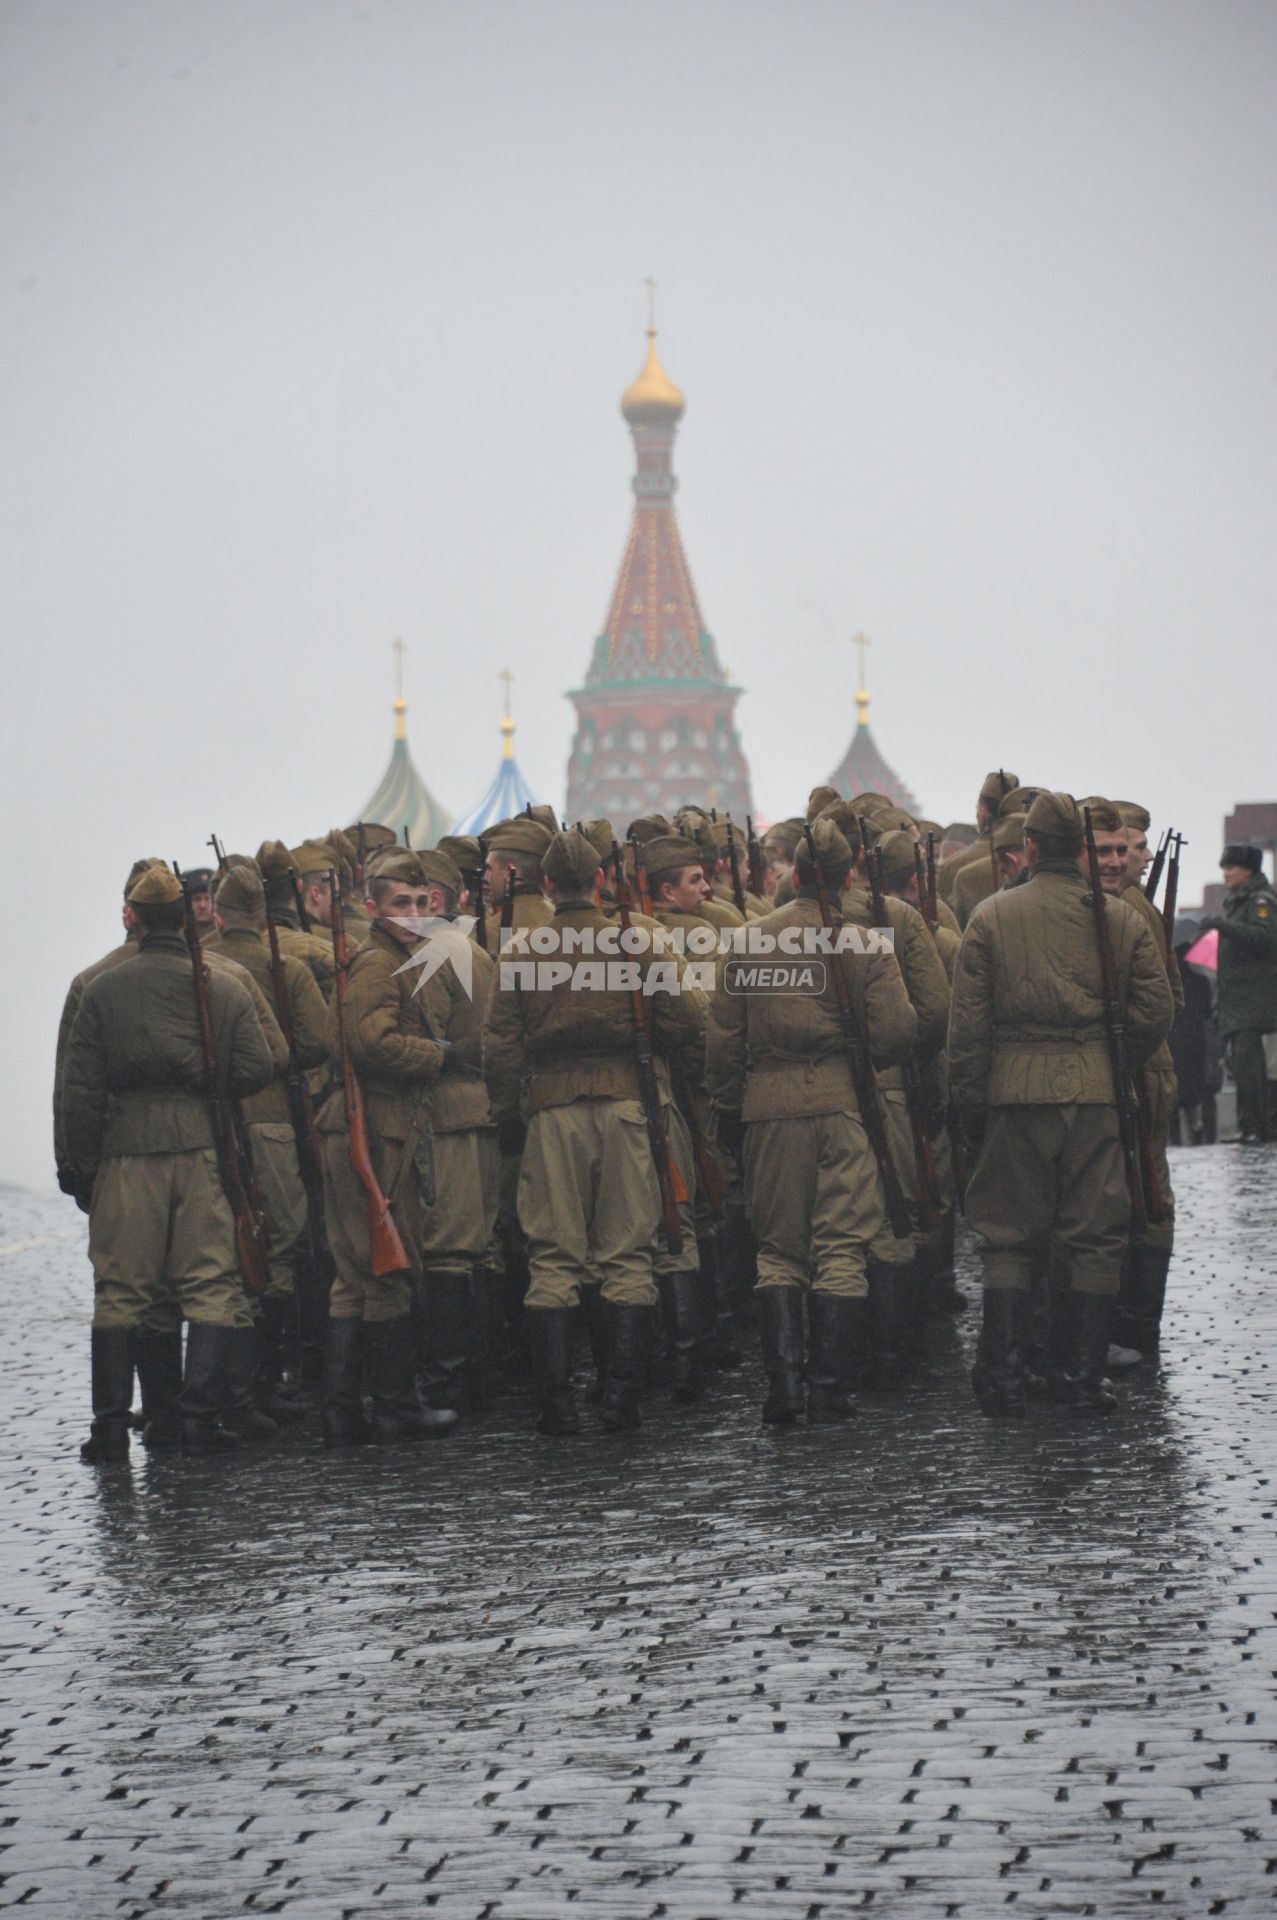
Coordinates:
655	714
509	792
400	704
860	642
862	768
403	800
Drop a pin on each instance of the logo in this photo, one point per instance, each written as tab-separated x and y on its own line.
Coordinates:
443	942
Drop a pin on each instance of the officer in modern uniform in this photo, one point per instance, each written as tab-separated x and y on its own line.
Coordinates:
1029	1068
1247	981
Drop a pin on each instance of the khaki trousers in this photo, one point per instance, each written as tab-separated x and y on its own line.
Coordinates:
162	1243
589	1203
679	1136
1050	1184
815	1201
887	1250
279	1181
457	1229
357	1293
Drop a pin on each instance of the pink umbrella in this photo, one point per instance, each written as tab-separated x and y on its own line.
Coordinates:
1205	952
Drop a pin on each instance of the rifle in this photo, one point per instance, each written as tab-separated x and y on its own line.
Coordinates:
1155	871
930	1204
640	877
234	1159
1174	842
656	1135
386	1249
218	853
738	891
299	900
361	853
474	887
1123	1091
932	910
754	855
309	1164
857	1050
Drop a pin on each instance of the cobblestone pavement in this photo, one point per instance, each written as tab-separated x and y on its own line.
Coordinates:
924	1666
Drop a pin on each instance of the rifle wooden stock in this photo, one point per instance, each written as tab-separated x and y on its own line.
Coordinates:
932	908
387	1253
1114	1027
640	877
302	1113
671	1231
856	1048
709	1175
230	1137
930	1205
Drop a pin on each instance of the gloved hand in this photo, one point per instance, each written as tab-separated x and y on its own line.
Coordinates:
511	1133
1210	923
730	1132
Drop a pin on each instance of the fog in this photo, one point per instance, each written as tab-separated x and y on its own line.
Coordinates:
316	319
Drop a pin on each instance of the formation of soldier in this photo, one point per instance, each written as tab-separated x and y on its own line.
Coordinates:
367	1122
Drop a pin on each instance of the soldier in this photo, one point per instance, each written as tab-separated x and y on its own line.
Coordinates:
198	882
976	880
902	1271
1029	1068
1247	930
689	1283
588	1193
394	1052
778	1073
995	788
1008	848
451	1295
240	912
351	869
279	869
140	1145
1138	1321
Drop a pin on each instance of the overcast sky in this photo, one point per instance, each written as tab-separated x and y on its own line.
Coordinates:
316	318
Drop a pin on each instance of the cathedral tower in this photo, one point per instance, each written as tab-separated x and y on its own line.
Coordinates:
655	718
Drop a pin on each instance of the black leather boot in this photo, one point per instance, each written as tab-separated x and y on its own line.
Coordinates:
549	1335
206	1388
159	1377
344	1421
397	1413
479	1340
719	1338
596	1334
629	1333
443	1321
838	1327
780	1323
276	1340
887	1314
680	1312
1093	1319
1146	1299
111	1384
946	1295
241	1414
997	1378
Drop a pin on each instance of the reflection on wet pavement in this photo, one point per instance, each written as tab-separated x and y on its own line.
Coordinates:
925	1665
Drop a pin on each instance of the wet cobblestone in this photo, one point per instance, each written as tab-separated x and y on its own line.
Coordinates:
923	1666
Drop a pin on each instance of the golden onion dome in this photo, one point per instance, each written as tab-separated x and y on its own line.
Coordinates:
653	400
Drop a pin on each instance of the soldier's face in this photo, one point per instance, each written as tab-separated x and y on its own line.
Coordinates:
1111	851
691	892
1137	854
494	878
1235	876
319	906
403	911
202	908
